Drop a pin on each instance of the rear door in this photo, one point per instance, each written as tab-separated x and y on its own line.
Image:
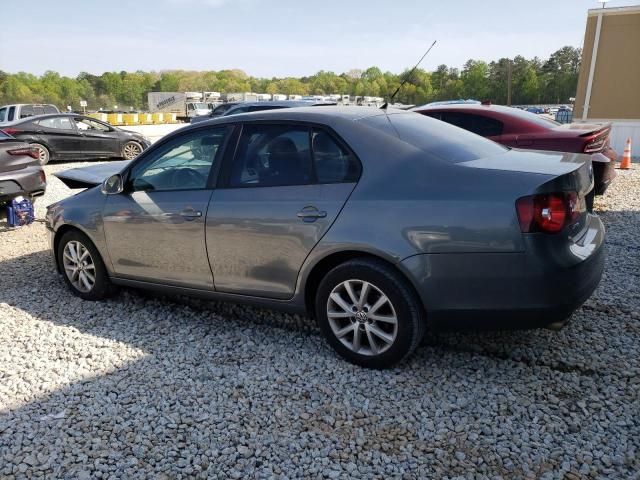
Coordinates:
277	199
59	134
96	138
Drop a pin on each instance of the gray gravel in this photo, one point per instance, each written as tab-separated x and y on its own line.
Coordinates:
143	386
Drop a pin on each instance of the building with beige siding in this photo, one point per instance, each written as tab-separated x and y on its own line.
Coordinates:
609	81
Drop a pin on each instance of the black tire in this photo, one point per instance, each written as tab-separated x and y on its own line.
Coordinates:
404	302
102	287
44	153
129	147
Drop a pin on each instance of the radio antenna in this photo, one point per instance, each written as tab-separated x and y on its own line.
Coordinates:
407	77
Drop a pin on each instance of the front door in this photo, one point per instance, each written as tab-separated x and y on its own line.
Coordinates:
281	196
96	139
155	228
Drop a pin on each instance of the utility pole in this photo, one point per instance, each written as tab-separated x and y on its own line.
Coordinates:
509	82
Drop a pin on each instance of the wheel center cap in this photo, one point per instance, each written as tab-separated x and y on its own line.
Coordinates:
361	317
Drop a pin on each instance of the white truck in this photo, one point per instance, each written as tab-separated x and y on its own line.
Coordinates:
184	104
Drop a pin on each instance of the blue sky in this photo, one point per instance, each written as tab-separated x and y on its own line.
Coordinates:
280	37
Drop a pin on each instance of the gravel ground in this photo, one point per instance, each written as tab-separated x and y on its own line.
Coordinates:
143	386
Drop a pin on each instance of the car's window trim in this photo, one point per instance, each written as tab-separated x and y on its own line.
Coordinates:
224	180
213	172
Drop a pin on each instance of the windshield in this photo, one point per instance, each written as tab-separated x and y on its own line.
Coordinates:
439	140
201	106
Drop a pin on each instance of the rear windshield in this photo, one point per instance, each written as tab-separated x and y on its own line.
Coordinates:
440	140
539	120
4	136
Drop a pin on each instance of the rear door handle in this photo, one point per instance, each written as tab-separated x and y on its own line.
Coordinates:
311	214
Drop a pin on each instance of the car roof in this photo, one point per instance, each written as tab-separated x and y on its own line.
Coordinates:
326	114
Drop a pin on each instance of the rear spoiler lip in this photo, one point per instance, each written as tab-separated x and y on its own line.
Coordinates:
604	128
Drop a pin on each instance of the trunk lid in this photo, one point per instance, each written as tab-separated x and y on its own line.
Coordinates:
9	162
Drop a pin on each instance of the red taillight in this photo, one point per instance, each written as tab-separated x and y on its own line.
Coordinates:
10	131
595	144
547	213
43	177
29	151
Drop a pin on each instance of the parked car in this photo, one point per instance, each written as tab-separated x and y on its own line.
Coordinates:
13	113
20	171
536	110
379	223
248	107
76	137
516	128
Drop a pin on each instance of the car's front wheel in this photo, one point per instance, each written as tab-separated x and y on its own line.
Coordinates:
369	313
83	269
131	150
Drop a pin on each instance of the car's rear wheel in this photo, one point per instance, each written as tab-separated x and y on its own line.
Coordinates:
83	269
131	150
43	153
369	313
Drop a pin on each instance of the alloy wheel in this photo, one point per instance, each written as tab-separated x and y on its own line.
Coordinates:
131	150
79	266
362	317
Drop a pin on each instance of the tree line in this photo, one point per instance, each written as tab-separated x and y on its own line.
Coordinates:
533	81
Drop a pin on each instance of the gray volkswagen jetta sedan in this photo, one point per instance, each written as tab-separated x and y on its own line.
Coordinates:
380	224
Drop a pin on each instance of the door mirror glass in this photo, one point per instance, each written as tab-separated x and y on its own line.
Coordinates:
112	185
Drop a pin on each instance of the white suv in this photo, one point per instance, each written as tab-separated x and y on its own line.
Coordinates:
11	113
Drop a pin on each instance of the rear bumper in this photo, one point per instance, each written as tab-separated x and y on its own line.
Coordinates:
532	289
25	182
604	170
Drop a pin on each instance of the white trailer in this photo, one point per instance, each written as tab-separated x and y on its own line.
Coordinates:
278	97
184	104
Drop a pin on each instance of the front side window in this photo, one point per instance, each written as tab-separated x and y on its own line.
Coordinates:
182	164
272	155
85	124
332	162
12	111
50	109
56	123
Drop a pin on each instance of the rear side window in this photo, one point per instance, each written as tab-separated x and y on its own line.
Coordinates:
27	111
439	140
59	123
50	109
3	113
10	116
333	163
478	124
271	156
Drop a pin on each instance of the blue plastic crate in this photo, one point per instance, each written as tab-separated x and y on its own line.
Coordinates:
20	212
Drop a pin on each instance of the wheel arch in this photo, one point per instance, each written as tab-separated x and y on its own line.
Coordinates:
59	233
323	266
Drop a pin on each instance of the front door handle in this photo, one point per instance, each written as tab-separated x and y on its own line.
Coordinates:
190	213
311	214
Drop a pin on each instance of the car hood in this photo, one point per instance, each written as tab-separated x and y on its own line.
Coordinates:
87	177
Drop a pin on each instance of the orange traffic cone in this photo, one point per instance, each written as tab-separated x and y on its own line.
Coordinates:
625	163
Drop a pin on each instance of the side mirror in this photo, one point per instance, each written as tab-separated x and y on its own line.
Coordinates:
113	185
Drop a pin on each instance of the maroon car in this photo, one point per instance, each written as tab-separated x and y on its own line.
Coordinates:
516	128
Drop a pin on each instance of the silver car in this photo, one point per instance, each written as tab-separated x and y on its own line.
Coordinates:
380	224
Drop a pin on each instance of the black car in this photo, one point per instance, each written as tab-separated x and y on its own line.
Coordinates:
20	172
248	107
76	137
